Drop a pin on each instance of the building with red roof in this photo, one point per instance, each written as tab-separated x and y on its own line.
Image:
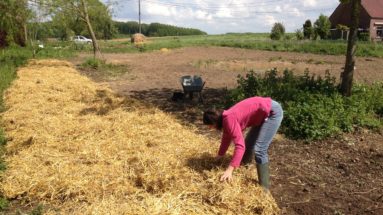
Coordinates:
370	20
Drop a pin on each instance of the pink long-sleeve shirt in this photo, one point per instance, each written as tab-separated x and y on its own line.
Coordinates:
247	113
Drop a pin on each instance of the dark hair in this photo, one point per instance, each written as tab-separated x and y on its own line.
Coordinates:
213	117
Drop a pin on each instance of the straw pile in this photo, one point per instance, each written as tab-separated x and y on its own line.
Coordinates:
138	38
164	50
78	149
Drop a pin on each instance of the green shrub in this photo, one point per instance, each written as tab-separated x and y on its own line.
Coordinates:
39	210
314	109
3	140
92	63
102	70
3	203
309	118
308	30
322	27
299	34
364	36
278	31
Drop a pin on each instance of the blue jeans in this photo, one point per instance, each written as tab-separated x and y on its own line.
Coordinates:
259	138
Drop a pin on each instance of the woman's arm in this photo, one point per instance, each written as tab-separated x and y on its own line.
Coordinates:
239	144
234	131
225	143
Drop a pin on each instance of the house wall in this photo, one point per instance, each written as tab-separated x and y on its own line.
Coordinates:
373	29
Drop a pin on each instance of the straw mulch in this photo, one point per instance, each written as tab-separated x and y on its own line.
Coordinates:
138	38
78	149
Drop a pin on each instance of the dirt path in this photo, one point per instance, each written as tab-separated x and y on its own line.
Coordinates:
220	66
340	176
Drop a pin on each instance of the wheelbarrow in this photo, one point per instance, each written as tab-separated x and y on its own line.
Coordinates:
191	85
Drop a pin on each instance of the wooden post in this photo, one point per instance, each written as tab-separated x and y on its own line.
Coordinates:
139	16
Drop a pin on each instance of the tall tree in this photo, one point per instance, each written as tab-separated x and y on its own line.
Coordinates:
78	9
277	31
322	26
85	15
348	73
308	29
13	19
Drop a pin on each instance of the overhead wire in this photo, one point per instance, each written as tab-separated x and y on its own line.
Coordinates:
212	6
236	11
219	6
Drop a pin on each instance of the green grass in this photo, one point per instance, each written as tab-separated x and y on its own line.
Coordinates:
205	63
3	203
10	59
103	71
13	57
247	41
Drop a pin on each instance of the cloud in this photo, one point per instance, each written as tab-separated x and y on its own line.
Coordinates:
309	3
278	9
159	10
224	12
224	16
202	15
270	20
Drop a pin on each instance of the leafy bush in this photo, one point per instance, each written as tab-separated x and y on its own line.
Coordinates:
308	29
314	109
39	210
101	70
322	27
92	63
364	36
3	203
278	31
3	140
299	34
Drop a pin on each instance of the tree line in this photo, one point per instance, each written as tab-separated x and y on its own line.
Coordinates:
155	29
108	30
320	29
13	19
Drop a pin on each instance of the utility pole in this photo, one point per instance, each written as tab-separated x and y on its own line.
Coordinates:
139	16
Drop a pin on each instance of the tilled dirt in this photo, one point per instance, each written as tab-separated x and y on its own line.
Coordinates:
343	175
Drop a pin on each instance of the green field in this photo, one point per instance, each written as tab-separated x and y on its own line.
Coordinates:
13	57
259	41
254	41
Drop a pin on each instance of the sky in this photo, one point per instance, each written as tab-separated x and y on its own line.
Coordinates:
219	17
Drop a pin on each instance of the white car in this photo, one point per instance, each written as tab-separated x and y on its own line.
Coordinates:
81	39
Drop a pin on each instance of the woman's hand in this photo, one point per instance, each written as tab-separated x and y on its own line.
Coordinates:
228	174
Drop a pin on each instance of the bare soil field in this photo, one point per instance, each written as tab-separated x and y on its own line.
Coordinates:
343	175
